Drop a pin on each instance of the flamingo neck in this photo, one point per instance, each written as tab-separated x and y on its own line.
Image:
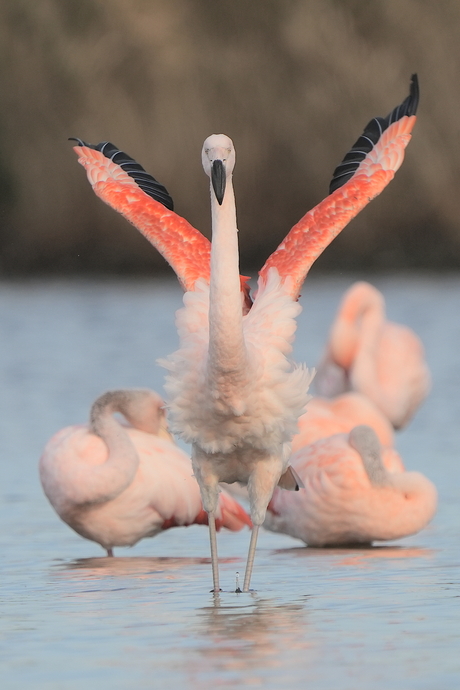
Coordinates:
357	330
226	342
122	455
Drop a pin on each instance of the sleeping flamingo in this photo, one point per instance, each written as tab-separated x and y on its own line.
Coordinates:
378	358
115	484
234	394
353	493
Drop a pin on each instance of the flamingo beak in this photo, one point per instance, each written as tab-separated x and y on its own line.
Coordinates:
218	179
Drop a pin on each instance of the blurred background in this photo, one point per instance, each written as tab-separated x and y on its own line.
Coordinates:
86	305
293	83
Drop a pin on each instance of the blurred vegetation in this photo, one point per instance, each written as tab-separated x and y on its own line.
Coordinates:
293	83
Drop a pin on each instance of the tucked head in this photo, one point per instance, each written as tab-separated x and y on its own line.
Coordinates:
218	156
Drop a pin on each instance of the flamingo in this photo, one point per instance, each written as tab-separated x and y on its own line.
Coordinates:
116	484
378	358
233	393
353	493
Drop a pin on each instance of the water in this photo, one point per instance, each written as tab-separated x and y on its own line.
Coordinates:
348	619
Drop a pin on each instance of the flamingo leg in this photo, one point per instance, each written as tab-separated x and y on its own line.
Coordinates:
214	559
251	555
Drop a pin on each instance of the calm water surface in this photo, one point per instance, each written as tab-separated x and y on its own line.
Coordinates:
385	618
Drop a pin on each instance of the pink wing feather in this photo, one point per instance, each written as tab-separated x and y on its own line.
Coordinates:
363	174
183	247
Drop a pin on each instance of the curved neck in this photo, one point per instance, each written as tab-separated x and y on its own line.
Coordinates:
358	325
226	342
108	480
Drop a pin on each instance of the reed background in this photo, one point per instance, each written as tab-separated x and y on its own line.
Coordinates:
293	83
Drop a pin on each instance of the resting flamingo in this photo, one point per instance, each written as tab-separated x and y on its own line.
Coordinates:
353	493
378	358
116	485
230	373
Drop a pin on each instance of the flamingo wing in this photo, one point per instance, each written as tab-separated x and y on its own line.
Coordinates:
123	184
364	172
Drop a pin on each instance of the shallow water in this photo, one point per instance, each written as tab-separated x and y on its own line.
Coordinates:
348	619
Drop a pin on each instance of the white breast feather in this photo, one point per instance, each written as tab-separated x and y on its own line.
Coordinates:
264	412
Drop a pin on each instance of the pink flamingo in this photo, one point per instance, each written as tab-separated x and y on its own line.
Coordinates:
234	394
378	358
354	492
116	484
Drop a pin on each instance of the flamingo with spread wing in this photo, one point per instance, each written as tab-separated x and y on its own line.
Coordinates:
233	393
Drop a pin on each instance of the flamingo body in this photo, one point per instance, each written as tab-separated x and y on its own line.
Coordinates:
342	502
324	417
366	353
258	408
113	507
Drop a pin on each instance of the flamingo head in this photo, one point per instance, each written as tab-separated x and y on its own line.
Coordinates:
218	158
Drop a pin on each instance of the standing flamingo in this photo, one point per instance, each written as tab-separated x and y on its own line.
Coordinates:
116	485
233	393
380	359
353	493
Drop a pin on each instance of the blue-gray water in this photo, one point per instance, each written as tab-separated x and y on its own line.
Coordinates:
385	618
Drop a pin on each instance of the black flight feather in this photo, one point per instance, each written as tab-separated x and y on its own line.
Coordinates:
372	133
143	179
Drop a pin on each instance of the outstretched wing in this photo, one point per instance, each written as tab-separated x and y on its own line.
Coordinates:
125	186
364	172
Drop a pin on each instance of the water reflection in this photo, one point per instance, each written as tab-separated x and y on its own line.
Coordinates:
249	638
137	567
358	556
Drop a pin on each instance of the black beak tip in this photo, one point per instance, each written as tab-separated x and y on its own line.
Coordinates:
218	179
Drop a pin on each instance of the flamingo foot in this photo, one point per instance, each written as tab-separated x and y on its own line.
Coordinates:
238	590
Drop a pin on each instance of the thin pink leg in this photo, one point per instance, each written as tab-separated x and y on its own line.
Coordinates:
214	559
251	555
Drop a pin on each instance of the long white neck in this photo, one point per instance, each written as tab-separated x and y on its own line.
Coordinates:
227	353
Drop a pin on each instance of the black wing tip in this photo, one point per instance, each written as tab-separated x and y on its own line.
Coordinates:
414	96
372	133
142	178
